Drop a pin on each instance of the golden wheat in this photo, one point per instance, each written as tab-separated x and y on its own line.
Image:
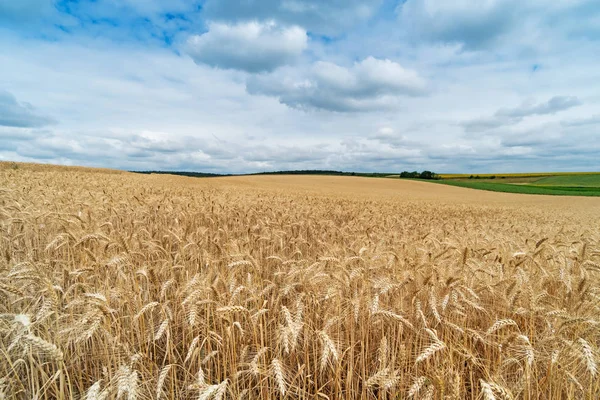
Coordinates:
115	285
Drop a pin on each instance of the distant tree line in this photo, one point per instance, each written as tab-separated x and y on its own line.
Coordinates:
303	172
405	174
183	173
324	172
419	175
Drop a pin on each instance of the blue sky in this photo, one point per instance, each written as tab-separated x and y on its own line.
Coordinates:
258	85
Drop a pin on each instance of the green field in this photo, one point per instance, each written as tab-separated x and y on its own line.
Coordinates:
584	184
587	181
516	175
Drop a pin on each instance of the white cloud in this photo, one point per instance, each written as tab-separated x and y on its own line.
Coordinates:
248	46
368	85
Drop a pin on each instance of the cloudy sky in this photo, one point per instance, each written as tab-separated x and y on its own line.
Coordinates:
258	85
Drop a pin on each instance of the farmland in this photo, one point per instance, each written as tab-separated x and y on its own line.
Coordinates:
591	180
565	184
119	285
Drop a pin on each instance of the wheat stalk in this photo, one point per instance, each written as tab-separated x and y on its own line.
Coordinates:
278	375
161	380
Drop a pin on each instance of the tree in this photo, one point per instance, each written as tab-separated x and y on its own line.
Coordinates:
428	175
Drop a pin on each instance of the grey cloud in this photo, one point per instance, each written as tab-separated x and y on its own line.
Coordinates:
394	140
14	135
79	148
9	140
488	123
370	154
371	84
288	154
91	150
525	141
486	24
161	144
594	120
248	46
482	156
139	152
369	158
512	116
375	153
22	115
160	151
455	151
218	151
552	106
474	24
538	137
328	17
549	147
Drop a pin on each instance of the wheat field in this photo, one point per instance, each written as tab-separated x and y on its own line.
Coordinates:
123	286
